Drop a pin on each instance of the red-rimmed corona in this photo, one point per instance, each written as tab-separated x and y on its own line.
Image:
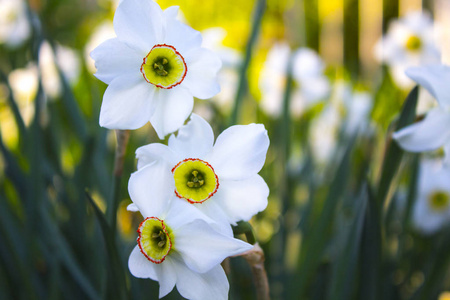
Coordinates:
164	67
195	180
155	239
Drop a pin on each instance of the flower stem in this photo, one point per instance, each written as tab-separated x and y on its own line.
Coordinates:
255	258
121	146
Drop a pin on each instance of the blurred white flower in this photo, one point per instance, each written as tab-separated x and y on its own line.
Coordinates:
323	134
153	69
310	84
432	132
220	179
24	85
432	207
66	59
358	113
14	25
231	59
410	41
178	247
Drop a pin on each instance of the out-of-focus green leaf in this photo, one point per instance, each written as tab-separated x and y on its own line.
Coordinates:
316	240
242	85
344	276
370	251
393	153
117	281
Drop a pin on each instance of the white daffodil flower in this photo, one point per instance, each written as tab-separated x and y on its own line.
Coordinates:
433	131
177	247
153	69
14	25
219	180
432	207
310	84
410	41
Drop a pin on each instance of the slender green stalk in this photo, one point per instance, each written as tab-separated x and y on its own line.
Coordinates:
122	137
258	14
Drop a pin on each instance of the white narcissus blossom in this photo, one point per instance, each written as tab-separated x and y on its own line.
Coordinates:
177	246
221	180
432	207
14	25
410	41
153	69
64	58
310	84
433	131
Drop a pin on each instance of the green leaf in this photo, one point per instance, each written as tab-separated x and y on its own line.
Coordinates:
316	240
344	269
393	153
117	281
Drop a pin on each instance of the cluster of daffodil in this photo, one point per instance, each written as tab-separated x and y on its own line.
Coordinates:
192	190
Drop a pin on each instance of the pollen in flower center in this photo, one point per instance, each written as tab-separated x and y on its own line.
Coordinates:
195	180
413	43
155	239
164	67
439	200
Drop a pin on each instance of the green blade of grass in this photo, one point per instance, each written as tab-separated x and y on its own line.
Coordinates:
394	153
117	283
242	85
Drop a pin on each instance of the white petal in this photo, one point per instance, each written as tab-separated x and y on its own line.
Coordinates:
181	36
132	207
435	79
194	140
210	285
202	248
171	13
201	77
140	266
426	135
172	109
306	64
151	189
139	23
156	151
128	103
242	199
213	210
114	58
240	151
182	212
167	275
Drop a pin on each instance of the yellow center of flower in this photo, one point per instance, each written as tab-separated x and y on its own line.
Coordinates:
439	200
155	239
413	43
164	67
195	180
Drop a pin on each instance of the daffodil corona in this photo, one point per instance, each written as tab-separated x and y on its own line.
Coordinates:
154	68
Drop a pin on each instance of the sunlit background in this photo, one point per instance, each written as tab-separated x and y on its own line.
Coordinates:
325	77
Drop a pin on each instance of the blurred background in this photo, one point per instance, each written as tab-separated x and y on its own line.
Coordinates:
349	215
